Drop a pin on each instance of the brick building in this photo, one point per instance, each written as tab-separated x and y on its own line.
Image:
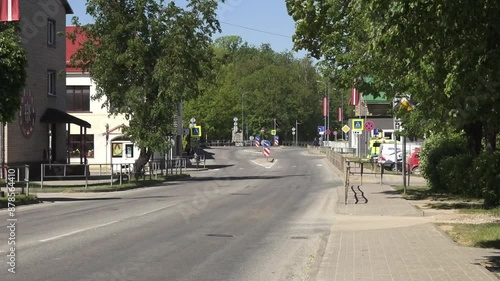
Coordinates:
38	134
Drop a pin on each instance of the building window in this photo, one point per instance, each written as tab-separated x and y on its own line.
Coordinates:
129	150
51	33
75	145
78	98
51	82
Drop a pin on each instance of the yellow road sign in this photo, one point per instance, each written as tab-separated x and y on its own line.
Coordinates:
273	132
346	129
196	132
358	124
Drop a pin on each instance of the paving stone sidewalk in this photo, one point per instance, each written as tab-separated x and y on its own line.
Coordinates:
386	238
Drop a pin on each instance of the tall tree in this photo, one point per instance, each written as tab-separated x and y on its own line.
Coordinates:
146	56
13	65
445	54
262	84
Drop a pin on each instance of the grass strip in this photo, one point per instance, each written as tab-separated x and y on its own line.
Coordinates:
20	200
476	235
107	187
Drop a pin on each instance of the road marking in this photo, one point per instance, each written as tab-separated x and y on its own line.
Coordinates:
274	162
77	231
153	211
319	165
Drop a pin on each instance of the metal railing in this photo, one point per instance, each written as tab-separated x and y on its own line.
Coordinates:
176	164
62	171
200	159
25	187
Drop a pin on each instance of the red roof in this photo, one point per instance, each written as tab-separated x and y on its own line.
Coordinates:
71	48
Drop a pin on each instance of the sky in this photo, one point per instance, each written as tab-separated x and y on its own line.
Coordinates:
255	21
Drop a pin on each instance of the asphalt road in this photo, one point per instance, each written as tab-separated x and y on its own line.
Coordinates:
248	219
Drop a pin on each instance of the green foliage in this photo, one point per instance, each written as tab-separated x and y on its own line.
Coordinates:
145	57
447	56
260	84
13	65
486	177
437	148
455	177
477	235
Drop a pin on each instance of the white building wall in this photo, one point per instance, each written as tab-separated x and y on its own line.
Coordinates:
98	118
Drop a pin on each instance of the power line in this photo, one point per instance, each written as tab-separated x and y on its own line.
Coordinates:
257	30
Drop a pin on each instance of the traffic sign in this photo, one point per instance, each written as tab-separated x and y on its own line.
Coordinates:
369	125
334	133
328	132
346	129
357	132
196	132
358	124
262	131
267	151
251	138
266	143
257	141
273	132
376	131
321	130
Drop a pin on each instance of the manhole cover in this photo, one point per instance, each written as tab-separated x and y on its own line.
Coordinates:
220	235
299	237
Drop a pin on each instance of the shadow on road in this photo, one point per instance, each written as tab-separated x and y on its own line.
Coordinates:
239	178
74	199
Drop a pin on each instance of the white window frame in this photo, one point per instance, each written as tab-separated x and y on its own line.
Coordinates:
51	32
51	82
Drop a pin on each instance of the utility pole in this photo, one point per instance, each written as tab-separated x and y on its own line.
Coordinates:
297	131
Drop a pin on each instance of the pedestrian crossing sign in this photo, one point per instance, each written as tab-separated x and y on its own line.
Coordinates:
358	124
196	132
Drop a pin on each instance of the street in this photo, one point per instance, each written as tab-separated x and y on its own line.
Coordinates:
246	219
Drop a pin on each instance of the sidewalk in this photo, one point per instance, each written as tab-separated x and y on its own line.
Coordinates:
388	239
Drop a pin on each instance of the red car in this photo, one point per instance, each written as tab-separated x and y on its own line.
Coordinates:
414	161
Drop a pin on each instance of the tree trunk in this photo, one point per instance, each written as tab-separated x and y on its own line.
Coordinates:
474	132
143	159
490	133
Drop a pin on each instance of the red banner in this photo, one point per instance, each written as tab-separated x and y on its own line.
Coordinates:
341	116
9	10
325	107
354	96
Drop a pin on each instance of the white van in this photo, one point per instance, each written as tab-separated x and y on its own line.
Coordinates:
387	156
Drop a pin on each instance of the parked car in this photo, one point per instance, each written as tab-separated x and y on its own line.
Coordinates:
414	161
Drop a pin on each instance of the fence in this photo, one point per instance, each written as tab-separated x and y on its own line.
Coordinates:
176	164
24	180
85	174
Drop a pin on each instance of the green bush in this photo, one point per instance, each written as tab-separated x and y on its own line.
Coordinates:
486	177
455	176
435	149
